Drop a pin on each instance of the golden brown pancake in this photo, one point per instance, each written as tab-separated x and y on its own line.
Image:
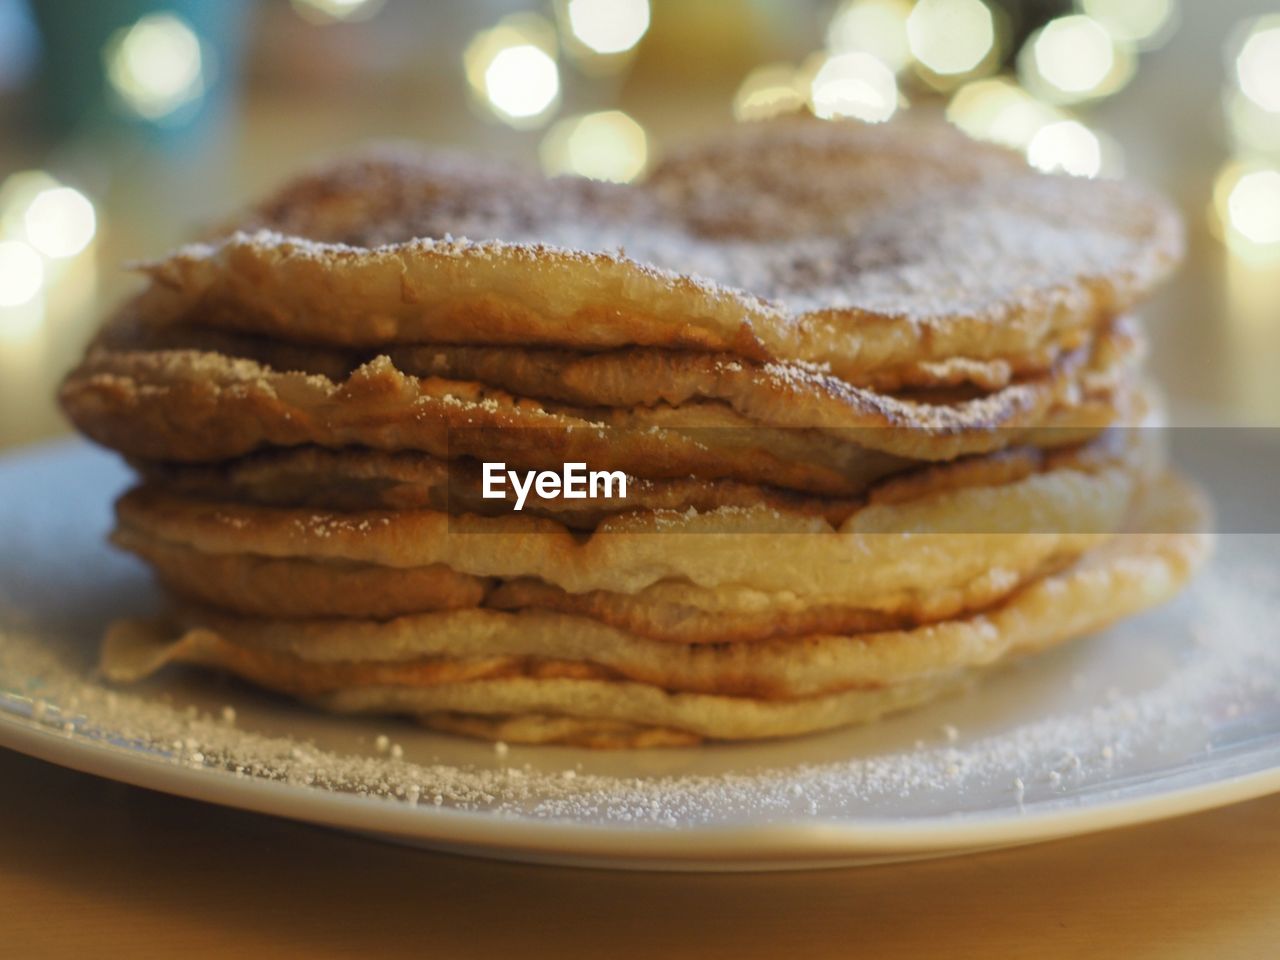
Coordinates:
861	248
482	662
300	586
674	611
875	391
188	405
353	479
936	541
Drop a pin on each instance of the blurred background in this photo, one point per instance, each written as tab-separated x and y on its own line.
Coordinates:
127	124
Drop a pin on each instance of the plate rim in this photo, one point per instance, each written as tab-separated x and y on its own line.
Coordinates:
829	841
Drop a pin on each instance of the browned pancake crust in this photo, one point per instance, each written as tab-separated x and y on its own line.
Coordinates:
868	249
805	432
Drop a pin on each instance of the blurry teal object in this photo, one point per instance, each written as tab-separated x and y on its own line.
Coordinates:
19	44
75	96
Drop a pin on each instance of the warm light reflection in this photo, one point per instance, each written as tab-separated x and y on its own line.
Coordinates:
1246	211
603	146
60	222
1258	65
608	26
1146	23
950	36
155	66
521	81
1000	111
877	27
334	11
21	273
1075	58
854	85
1074	54
768	91
1253	207
1067	146
512	68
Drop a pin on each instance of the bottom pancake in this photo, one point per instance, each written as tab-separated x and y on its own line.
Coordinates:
535	728
614	689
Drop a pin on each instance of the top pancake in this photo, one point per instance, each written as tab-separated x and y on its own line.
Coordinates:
868	250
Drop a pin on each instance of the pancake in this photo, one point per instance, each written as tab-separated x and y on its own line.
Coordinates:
537	728
666	611
676	612
276	587
939	540
293	587
359	479
863	248
771	394
188	405
146	406
362	479
484	662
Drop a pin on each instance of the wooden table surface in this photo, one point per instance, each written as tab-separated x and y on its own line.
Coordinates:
92	868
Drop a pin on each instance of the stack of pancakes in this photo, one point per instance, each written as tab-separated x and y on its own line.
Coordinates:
876	392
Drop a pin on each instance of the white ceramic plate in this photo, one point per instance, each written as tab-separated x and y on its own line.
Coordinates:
1176	711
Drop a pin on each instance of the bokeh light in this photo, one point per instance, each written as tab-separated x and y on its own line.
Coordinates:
512	69
951	36
1074	58
156	65
1067	146
1000	111
854	85
521	81
609	145
1144	23
1247	200
1258	65
336	11
877	27
1074	54
21	273
608	26
60	222
768	91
